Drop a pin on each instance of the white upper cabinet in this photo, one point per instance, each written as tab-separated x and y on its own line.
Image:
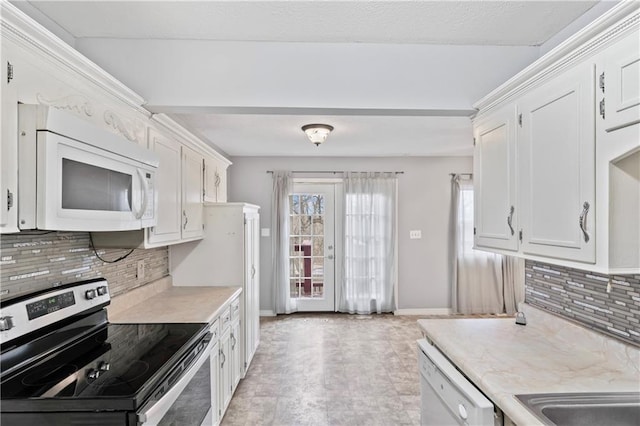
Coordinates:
167	229
564	133
496	218
46	71
215	179
8	148
192	220
619	84
557	167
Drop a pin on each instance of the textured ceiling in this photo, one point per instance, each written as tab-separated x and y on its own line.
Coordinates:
354	136
438	22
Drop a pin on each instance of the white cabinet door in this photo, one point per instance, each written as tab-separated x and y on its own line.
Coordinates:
495	211
225	369
252	285
8	148
168	190
192	218
236	354
556	144
215	180
619	87
215	384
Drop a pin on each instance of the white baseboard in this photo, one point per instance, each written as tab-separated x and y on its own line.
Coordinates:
267	313
425	311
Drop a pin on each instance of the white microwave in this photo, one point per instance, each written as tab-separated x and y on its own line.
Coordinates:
74	176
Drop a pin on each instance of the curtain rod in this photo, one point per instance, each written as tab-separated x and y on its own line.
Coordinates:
330	171
461	174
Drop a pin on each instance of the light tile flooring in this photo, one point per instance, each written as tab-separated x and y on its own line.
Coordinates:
331	369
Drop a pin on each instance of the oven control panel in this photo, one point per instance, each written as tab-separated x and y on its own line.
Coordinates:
42	309
50	304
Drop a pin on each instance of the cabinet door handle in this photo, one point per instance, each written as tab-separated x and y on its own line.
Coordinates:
253	271
224	359
583	221
510	220
233	345
186	219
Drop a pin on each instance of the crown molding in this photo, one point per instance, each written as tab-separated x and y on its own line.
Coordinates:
612	25
185	135
30	35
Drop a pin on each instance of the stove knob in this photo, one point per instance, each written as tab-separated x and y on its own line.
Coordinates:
90	294
104	366
102	290
6	323
93	374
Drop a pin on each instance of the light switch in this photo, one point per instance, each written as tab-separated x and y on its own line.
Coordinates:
265	232
415	234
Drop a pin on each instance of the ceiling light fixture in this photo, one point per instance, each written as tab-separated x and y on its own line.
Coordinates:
317	133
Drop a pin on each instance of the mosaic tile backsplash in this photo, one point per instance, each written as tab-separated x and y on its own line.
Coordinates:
38	261
582	296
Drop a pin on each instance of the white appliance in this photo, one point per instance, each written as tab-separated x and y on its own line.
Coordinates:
74	176
447	397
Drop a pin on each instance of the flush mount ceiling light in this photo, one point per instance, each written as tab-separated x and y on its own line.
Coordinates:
317	133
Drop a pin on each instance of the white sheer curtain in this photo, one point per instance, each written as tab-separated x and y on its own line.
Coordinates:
513	277
369	276
477	280
282	302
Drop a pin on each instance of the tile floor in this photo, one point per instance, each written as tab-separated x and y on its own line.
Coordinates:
331	369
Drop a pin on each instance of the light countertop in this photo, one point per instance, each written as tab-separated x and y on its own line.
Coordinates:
547	355
169	304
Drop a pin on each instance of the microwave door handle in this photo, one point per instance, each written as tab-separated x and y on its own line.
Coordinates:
154	411
145	190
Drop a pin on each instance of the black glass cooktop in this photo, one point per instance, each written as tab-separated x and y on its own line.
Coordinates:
115	367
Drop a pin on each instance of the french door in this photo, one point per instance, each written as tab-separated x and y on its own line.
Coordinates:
312	249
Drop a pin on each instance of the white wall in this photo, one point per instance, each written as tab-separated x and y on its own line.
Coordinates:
423	203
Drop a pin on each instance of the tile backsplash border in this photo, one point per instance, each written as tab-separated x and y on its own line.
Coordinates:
33	261
582	297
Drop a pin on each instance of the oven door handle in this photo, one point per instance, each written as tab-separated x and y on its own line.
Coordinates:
152	412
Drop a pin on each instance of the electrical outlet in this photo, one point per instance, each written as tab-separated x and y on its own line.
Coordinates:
140	270
415	234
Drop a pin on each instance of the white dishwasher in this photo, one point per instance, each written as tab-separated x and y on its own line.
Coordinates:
447	397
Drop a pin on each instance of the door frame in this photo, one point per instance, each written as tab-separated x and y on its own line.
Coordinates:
337	237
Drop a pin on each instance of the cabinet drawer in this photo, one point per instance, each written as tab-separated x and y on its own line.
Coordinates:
235	309
225	319
214	329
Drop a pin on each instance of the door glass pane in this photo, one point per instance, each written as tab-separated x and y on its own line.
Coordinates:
87	187
307	245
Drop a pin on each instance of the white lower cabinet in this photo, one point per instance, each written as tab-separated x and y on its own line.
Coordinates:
215	379
556	138
236	353
224	386
225	359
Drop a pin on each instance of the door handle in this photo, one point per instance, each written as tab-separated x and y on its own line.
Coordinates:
186	219
145	200
582	221
510	219
330	256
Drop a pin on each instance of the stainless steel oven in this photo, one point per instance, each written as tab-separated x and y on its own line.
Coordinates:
63	363
188	398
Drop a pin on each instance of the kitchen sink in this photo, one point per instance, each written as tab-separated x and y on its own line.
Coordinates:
585	409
